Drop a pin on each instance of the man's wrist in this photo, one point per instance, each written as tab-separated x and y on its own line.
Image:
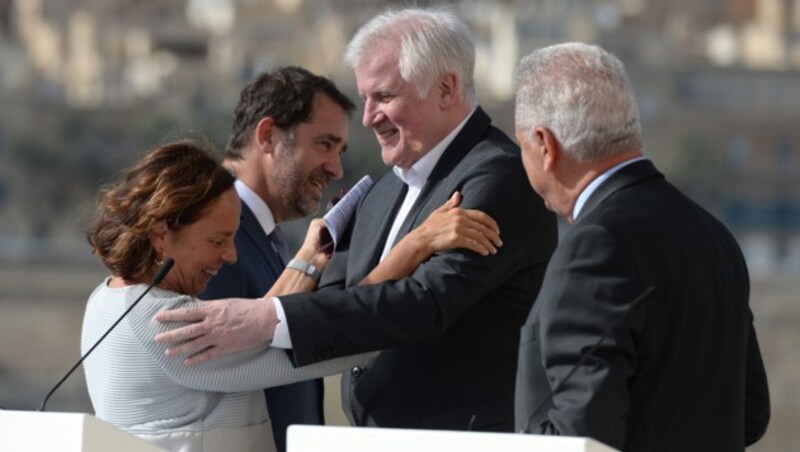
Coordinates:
272	320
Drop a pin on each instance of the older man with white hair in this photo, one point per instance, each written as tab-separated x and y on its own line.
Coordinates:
641	336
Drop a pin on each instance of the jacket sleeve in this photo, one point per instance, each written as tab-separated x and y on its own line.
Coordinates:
757	407
590	285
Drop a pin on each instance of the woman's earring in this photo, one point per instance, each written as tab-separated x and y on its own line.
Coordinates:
160	259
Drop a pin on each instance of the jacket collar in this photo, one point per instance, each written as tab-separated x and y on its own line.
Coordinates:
629	175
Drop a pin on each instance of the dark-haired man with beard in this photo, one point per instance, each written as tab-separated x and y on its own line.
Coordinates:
289	132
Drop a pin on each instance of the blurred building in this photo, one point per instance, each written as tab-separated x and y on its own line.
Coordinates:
717	80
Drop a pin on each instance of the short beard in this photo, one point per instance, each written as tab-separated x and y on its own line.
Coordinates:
290	182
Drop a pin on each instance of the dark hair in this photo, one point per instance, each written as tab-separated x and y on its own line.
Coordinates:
287	96
174	183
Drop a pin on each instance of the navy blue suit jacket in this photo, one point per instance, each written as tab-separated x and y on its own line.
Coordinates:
256	269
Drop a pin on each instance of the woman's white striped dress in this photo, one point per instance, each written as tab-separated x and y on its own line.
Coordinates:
217	405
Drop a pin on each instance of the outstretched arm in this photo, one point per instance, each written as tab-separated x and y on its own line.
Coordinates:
249	370
232	325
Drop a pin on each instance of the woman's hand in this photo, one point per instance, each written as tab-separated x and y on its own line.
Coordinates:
310	250
446	228
450	227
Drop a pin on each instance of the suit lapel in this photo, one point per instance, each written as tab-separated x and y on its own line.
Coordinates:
470	134
379	207
252	230
627	176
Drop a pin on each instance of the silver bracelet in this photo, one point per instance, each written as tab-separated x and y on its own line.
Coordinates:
305	267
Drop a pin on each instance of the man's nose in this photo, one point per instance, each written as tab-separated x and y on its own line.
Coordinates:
370	111
333	166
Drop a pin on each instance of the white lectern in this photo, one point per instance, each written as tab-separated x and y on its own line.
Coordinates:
28	431
306	438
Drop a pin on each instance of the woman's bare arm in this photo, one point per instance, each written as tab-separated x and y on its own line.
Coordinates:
448	227
292	281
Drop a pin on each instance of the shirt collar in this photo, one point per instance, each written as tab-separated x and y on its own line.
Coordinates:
418	174
587	192
256	205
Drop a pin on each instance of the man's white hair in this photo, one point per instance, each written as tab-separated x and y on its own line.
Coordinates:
432	42
582	94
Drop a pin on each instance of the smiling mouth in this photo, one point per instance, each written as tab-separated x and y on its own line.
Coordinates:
211	272
319	184
386	134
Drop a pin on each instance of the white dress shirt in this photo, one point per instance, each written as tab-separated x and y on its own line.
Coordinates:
415	177
257	205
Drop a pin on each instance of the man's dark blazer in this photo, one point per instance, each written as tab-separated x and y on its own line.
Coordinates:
683	370
256	269
450	331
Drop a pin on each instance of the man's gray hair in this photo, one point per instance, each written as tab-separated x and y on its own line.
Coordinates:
432	42
582	94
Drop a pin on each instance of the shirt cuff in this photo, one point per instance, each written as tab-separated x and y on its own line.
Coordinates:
281	338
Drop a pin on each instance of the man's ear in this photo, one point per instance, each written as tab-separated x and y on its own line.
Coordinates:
551	148
263	133
446	88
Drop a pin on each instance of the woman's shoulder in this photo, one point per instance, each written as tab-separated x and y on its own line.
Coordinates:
164	295
129	293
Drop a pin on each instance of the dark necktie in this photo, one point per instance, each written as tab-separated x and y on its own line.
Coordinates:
279	242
